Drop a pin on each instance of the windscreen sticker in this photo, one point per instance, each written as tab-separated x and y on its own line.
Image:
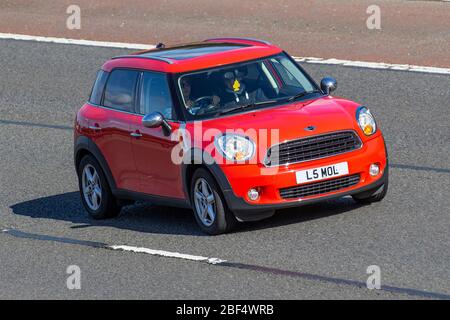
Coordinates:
236	85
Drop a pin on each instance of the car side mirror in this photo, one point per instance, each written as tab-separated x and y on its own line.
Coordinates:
155	120
328	85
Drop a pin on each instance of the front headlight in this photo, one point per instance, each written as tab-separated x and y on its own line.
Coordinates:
235	147
366	121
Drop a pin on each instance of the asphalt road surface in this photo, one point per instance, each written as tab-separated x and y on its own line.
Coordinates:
318	251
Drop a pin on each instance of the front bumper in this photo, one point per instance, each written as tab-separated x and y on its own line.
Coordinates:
249	212
236	180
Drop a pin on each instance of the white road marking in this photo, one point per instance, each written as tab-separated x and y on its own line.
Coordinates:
236	265
167	254
122	45
374	65
313	60
153	252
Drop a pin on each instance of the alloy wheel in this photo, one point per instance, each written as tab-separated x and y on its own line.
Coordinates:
92	189
205	203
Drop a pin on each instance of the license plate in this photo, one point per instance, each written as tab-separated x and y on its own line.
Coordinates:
334	170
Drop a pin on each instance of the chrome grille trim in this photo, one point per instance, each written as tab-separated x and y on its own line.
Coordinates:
338	142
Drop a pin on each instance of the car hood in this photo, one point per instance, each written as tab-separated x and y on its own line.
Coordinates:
325	114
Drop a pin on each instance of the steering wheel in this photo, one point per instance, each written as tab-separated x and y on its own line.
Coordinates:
204	103
203	100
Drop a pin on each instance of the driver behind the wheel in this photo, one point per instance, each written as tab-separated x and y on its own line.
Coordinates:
197	104
186	91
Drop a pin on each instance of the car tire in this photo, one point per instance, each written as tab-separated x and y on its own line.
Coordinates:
95	191
374	195
206	195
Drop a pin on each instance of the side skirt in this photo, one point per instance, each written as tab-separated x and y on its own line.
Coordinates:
157	200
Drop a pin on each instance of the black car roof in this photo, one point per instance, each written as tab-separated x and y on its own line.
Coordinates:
192	50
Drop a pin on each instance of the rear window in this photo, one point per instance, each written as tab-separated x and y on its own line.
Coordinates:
97	89
120	90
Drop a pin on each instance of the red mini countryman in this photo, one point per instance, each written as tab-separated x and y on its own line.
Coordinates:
232	128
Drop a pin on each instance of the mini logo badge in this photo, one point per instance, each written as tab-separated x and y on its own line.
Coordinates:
310	128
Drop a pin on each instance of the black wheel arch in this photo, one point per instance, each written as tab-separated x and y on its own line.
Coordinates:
83	146
195	158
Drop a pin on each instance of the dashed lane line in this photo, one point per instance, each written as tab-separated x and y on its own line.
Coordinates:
216	262
166	254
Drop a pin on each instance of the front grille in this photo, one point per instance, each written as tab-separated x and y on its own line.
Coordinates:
311	148
322	187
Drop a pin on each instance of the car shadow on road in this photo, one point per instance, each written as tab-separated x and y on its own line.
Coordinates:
141	217
302	214
144	217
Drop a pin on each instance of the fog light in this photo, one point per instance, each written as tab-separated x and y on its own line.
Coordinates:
253	194
374	169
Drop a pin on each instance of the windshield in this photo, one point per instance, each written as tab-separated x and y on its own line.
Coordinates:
235	87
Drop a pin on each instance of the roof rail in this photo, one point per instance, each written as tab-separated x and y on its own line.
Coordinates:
239	39
138	56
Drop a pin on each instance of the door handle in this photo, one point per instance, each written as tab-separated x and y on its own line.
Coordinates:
136	134
95	127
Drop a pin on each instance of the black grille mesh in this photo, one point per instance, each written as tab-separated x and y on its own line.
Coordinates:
322	187
312	148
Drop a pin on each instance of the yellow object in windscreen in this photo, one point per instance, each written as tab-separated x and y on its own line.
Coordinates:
236	85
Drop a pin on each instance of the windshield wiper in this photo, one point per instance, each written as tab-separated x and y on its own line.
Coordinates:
300	95
245	106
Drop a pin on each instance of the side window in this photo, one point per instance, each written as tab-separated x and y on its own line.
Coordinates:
97	89
155	95
120	89
290	74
